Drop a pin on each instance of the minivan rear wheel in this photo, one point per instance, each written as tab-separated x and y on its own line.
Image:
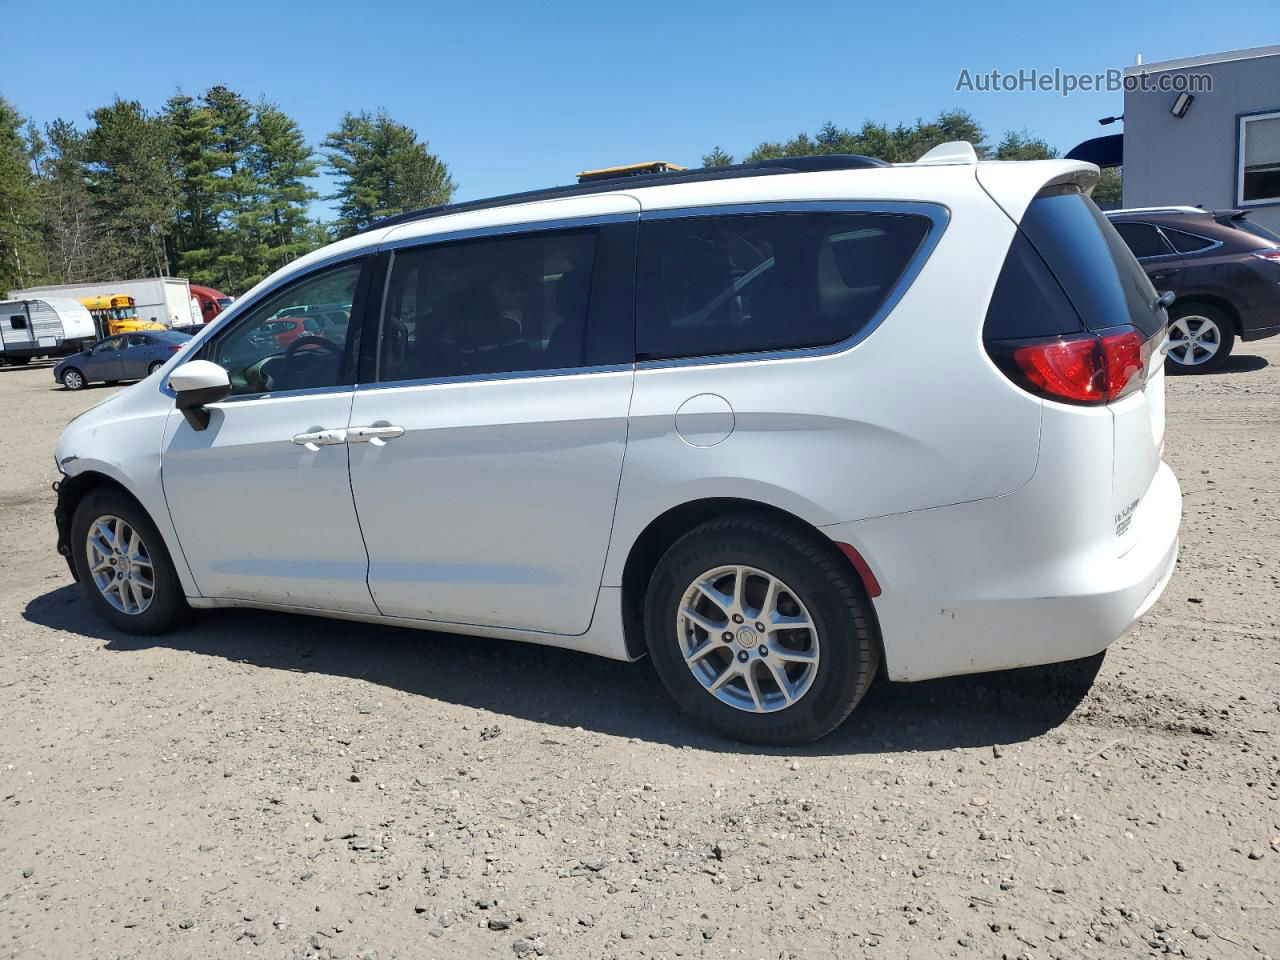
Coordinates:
122	564
760	630
1200	338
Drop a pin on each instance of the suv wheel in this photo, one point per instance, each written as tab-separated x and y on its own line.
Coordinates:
123	566
1200	338
72	379
760	631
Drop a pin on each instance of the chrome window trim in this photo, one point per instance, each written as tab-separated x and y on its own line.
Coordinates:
939	216
501	229
1213	244
558	373
238	307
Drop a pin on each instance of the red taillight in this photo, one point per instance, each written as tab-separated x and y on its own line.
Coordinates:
1270	254
1085	368
174	349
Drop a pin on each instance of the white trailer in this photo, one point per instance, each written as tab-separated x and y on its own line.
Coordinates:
45	327
165	300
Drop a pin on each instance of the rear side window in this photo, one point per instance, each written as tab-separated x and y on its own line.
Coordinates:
1186	242
1097	271
1143	239
749	282
488	306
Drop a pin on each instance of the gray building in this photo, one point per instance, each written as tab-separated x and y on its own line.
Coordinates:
1221	148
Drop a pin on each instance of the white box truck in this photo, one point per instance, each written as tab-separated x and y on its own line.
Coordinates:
44	327
165	300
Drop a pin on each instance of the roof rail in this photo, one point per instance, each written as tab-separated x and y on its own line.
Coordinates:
762	168
1172	209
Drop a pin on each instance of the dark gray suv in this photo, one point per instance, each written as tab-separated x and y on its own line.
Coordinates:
126	356
1223	269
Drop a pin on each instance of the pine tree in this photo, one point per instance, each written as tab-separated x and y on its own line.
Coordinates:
133	189
19	256
281	163
381	170
71	251
195	158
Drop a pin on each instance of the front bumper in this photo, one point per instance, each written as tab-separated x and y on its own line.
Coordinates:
62	520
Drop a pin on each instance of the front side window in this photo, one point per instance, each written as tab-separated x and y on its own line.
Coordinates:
264	351
1259	180
488	306
1143	239
751	282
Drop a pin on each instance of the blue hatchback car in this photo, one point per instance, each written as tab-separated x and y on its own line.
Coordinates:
126	356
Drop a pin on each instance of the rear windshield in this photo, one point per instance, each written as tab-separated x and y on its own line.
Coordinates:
1097	270
1257	230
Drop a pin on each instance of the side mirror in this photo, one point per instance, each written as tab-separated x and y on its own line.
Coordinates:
197	383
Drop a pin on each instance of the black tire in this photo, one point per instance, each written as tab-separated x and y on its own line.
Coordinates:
73	379
819	576
168	605
1212	322
154	367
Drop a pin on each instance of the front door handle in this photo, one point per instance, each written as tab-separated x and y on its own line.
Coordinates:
377	434
318	438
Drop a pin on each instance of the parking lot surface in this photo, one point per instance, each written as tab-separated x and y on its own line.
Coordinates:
258	785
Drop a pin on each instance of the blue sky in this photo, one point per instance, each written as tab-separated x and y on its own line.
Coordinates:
515	96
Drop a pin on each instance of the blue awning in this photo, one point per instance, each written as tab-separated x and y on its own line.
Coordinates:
1104	151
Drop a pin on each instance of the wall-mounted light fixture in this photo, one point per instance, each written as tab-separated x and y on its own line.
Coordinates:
1181	105
1106	120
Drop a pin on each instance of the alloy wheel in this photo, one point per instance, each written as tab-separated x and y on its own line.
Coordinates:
748	639
72	380
1194	340
120	565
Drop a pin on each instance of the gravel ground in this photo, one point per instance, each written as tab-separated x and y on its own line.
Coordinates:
257	785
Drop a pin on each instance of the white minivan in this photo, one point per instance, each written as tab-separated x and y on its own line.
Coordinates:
778	426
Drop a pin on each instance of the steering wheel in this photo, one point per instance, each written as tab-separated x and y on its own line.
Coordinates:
310	341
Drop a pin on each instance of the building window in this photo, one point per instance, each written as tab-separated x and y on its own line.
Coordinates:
1259	174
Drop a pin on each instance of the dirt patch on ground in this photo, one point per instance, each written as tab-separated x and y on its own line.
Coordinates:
264	786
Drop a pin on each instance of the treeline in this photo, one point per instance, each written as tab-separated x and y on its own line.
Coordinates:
905	144
215	188
219	188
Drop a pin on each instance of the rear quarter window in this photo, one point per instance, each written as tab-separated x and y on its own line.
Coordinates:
745	283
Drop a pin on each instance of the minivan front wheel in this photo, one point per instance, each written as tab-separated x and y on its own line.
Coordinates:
760	631
123	566
1200	338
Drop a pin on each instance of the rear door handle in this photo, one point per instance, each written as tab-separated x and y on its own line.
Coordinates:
318	438
376	434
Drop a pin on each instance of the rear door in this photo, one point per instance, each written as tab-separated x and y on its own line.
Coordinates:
1162	263
487	444
138	353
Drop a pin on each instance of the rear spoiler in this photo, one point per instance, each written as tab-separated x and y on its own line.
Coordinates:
1228	217
1014	185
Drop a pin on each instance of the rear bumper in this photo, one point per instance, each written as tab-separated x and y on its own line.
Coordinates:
1259	333
984	586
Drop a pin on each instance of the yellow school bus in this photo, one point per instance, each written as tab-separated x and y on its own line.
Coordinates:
116	313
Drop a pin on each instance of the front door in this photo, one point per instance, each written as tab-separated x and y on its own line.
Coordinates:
261	498
485	457
104	361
